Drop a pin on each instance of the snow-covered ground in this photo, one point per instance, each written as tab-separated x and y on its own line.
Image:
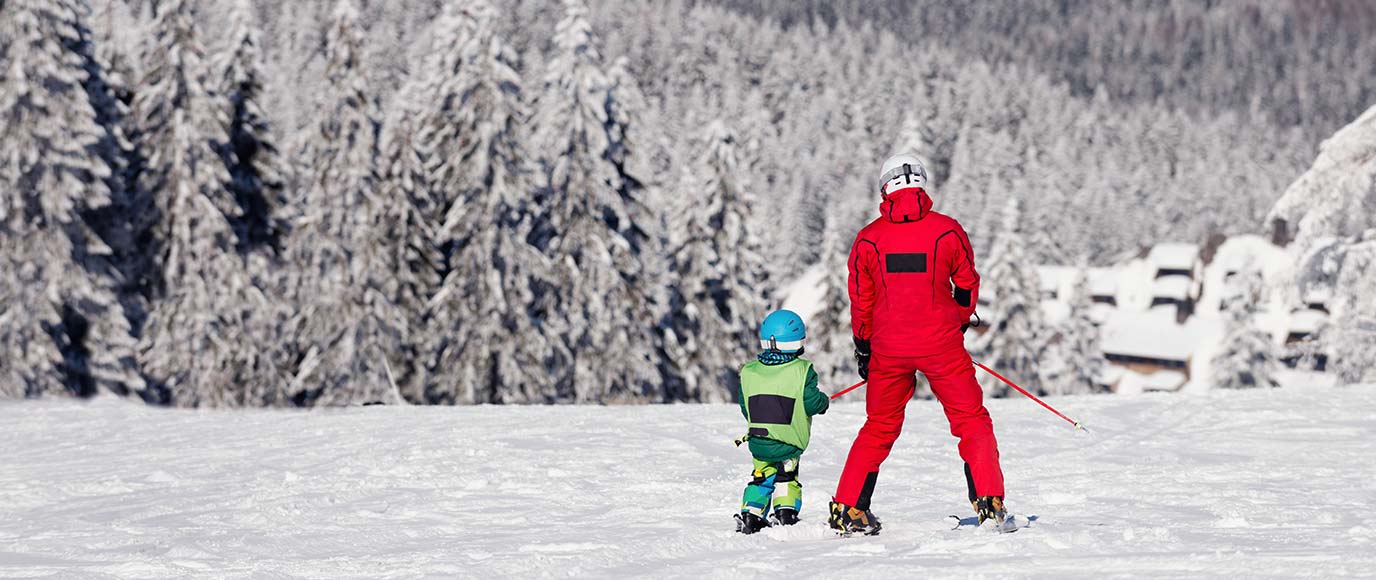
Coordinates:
1276	483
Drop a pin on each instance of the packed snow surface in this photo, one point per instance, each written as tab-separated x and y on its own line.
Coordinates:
1274	483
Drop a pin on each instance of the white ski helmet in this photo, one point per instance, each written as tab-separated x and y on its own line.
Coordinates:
902	170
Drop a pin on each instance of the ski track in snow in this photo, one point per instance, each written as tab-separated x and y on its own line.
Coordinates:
1274	483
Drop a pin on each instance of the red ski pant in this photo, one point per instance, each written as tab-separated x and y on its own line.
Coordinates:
891	384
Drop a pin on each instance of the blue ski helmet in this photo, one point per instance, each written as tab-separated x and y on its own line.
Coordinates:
784	331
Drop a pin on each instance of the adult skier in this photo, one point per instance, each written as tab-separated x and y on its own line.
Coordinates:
913	287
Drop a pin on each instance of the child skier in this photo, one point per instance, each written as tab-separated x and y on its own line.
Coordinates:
778	396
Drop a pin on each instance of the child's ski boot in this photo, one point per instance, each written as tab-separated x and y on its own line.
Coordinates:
847	520
748	523
784	517
990	507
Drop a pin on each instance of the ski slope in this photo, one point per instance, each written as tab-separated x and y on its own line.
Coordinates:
1276	483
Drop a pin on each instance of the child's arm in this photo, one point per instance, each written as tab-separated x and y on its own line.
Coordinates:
815	402
740	396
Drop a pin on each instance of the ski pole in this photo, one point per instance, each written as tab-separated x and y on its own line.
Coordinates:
848	389
1000	377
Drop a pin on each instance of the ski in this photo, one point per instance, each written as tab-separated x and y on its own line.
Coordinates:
1011	523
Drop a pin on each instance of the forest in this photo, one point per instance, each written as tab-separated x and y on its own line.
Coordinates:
334	202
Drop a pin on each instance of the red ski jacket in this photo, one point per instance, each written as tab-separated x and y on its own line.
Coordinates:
912	280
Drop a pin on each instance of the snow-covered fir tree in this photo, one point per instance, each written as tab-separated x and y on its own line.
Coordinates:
61	323
720	294
1247	358
1331	206
1350	336
1011	287
418	262
256	178
1072	360
830	341
604	298
444	113
203	342
492	269
350	331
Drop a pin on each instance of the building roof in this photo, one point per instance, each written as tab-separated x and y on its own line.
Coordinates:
1154	335
1103	281
1318	295
1174	256
1306	321
1056	278
1173	287
1135	382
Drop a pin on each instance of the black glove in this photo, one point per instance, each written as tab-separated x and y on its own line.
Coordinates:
862	357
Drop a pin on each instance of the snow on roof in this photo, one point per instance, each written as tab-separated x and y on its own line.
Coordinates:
1055	278
1135	382
1318	295
1100	312
1155	335
1174	256
1240	252
1173	287
1103	281
1055	311
1306	321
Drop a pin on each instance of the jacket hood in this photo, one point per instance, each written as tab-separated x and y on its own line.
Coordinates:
906	205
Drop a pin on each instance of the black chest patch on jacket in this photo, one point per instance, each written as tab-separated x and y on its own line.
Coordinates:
905	263
771	409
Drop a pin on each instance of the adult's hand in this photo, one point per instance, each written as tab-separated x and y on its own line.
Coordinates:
862	357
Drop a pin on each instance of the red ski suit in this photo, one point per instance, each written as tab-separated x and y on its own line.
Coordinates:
912	286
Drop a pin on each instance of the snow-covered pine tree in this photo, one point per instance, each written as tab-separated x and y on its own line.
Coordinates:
912	138
351	332
720	293
443	113
1011	286
484	344
645	210
1331	208
61	323
256	179
1350	336
1247	357
419	260
203	340
604	297
830	337
1072	360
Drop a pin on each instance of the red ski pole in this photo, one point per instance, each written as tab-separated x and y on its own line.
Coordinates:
848	389
1077	424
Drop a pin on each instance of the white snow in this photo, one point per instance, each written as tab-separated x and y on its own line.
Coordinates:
1266	483
1172	287
1132	382
1103	281
1174	256
1306	321
1157	335
804	295
1057	282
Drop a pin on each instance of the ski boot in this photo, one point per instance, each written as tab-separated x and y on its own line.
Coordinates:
847	520
990	507
783	517
748	523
